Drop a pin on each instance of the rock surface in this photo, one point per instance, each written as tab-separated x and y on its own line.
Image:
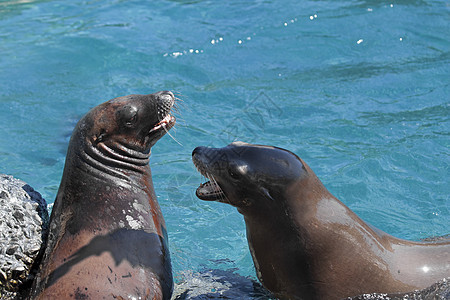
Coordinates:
23	230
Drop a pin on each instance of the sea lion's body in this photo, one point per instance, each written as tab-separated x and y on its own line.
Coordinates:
107	234
305	243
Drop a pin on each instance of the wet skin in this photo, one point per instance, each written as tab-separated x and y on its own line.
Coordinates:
305	243
107	234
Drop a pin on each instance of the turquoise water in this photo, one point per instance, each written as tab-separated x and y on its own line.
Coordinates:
359	89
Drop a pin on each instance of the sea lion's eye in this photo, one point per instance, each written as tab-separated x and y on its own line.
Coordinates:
132	120
129	115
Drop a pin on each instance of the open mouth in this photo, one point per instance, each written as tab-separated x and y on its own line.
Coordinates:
210	190
164	124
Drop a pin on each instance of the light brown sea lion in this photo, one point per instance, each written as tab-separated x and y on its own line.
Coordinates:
305	243
107	236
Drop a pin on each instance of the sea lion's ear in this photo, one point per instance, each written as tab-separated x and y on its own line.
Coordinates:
267	193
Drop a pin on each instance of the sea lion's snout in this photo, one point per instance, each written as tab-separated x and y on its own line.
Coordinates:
199	159
204	160
165	99
166	96
197	151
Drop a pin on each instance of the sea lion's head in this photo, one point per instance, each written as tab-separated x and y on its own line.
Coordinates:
119	133
245	175
135	121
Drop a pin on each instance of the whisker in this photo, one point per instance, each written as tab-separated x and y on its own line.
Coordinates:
173	138
214	182
176	109
218	189
180	103
202	179
181	121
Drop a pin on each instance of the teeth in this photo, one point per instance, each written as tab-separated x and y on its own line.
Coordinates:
165	120
162	123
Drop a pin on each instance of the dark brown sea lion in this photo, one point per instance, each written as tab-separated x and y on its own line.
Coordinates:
305	243
107	236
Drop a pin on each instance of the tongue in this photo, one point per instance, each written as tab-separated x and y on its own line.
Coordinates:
209	192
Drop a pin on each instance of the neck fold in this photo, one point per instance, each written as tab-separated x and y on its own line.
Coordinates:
116	161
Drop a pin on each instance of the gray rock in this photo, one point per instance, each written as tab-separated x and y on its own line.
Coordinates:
23	232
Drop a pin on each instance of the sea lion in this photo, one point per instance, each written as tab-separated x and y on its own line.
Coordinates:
107	235
305	243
